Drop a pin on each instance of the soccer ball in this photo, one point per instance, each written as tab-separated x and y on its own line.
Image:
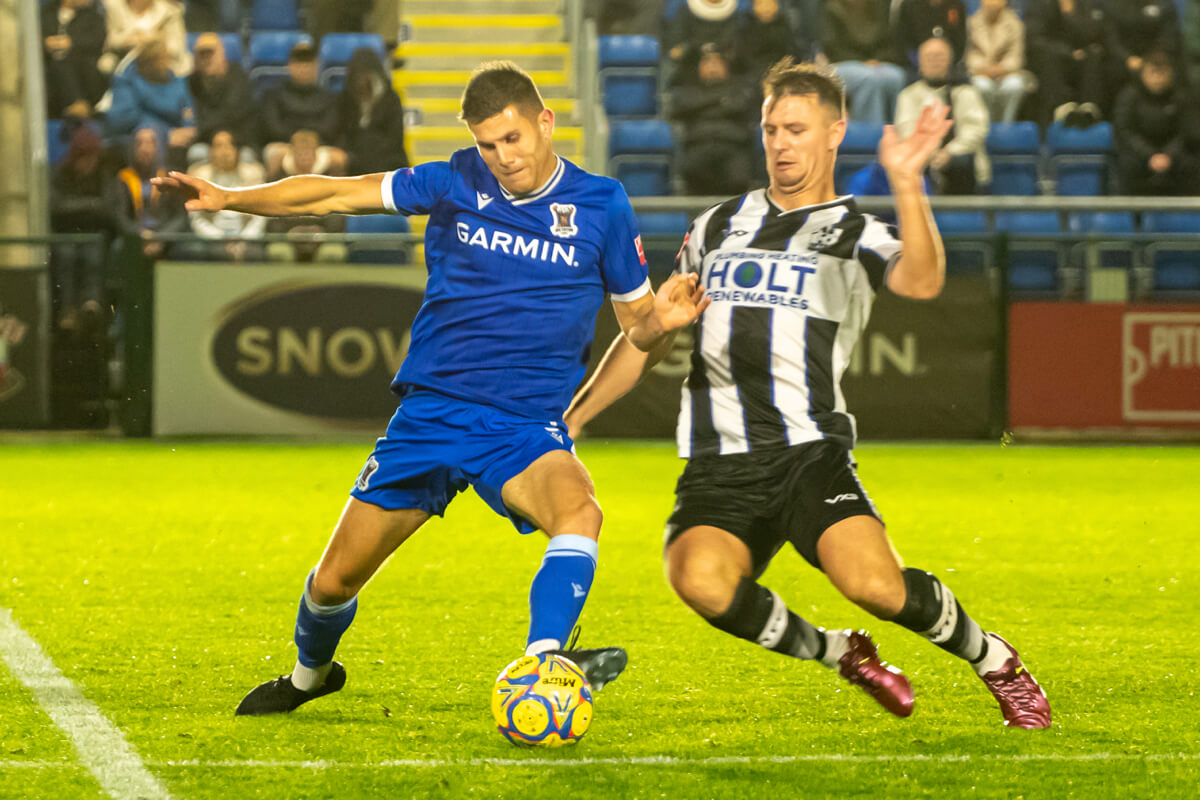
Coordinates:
542	701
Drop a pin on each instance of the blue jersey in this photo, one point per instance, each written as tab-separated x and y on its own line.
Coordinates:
514	282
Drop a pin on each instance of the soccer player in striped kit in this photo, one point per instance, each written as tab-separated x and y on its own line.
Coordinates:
791	271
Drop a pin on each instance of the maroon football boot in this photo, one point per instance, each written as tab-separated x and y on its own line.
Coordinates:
1022	701
861	666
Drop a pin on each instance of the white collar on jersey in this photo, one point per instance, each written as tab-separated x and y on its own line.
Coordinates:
840	200
537	194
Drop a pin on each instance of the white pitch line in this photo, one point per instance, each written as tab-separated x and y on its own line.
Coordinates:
645	761
102	748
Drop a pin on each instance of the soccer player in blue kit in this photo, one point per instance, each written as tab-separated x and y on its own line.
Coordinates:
521	247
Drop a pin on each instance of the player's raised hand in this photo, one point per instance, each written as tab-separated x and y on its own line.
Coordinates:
201	195
909	157
679	301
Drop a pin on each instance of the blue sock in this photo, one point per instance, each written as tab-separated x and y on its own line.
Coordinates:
559	590
320	628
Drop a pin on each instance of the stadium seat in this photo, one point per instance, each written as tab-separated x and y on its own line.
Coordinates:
1107	242
335	52
662	234
269	56
58	138
967	241
232	42
1078	159
629	75
1174	265
364	251
274	15
1035	267
859	149
639	155
1015	150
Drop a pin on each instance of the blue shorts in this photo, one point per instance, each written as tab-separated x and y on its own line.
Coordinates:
435	446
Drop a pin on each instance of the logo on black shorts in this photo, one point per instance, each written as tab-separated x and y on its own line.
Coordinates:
840	498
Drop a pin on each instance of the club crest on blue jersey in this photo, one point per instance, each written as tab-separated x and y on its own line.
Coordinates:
564	219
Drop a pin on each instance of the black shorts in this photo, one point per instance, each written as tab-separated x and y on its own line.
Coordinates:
766	498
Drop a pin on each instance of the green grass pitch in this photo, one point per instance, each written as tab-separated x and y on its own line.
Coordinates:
162	578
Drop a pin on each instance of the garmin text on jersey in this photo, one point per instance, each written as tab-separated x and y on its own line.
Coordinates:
516	244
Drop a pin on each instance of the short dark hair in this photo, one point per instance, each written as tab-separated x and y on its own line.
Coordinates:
786	77
496	85
233	137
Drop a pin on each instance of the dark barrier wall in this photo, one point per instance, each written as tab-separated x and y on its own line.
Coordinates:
24	377
1104	365
922	370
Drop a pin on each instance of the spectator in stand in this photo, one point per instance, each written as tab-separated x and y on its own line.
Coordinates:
142	210
132	23
698	23
300	103
1138	27
1065	40
148	94
996	59
1156	126
961	166
73	34
762	37
79	203
305	156
716	110
229	235
917	21
221	96
858	43
372	117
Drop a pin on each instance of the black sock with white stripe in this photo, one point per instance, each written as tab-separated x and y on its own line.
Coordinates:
931	610
758	615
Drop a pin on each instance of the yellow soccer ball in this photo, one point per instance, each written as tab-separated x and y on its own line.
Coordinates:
542	701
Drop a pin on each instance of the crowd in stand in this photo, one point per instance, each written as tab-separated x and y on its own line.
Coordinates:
1133	63
124	68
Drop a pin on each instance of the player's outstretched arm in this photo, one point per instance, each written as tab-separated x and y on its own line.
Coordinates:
921	270
299	195
650	318
619	371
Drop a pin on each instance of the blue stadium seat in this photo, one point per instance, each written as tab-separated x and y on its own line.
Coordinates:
956	222
335	52
1078	158
269	56
627	51
58	138
639	155
967	242
364	251
1034	267
629	75
274	15
1109	242
859	149
662	234
232	42
1015	150
1175	266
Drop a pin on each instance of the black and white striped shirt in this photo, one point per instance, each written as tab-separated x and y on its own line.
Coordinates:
791	292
